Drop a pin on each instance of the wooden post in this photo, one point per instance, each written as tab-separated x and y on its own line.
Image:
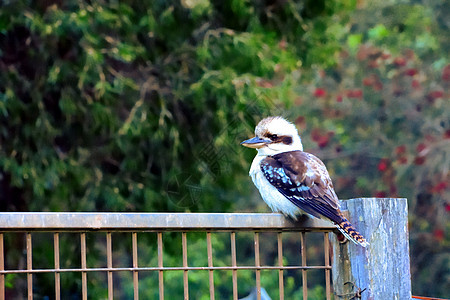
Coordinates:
381	270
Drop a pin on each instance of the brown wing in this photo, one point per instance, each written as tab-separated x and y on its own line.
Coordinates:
304	180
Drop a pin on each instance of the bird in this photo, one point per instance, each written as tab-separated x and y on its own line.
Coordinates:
294	182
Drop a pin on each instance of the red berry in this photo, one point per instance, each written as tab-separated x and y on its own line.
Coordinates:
339	98
380	194
402	160
415	84
399	61
315	134
420	147
438	234
319	92
419	160
368	81
400	149
383	165
355	93
438	188
411	72
433	95
358	93
447	207
447	134
322	142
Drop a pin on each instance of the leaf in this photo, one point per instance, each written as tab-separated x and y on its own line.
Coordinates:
378	32
354	40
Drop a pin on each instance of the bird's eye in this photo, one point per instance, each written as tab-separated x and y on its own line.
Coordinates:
273	136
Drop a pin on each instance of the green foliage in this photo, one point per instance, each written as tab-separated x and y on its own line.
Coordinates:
105	106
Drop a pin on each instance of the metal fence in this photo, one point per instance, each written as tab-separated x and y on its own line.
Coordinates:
132	225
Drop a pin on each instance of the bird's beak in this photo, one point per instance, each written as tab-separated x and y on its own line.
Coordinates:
255	142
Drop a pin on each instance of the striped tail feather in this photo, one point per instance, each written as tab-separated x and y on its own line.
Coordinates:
347	229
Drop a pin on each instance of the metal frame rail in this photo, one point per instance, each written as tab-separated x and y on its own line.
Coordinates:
159	223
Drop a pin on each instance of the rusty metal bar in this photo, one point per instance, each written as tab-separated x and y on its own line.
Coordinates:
150	269
280	264
210	265
160	223
83	266
304	275
326	249
155	221
29	265
109	265
2	267
185	264
234	264
57	266
135	265
160	265
257	265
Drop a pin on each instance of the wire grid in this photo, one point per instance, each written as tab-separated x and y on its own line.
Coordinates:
110	270
30	225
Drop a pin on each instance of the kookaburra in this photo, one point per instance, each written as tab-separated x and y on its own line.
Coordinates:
291	181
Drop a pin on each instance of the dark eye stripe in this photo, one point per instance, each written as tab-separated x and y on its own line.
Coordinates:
273	137
285	139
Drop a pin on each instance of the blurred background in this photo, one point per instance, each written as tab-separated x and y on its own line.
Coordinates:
140	106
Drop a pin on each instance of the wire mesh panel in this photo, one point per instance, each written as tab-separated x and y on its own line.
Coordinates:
151	256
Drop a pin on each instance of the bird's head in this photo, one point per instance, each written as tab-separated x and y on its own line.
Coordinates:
274	135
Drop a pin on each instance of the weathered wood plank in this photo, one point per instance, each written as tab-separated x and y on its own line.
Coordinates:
382	269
